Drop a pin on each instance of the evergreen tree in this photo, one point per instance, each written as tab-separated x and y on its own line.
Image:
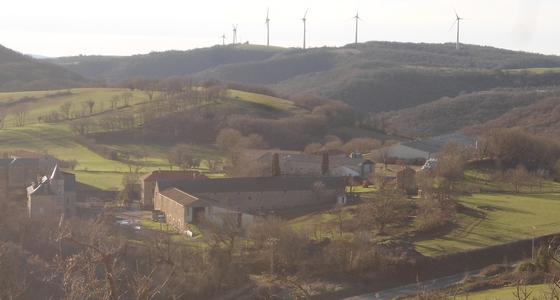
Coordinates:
325	163
275	168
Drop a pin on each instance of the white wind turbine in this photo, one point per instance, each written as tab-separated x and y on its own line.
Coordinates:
234	33
304	19
457	46
357	18
267	22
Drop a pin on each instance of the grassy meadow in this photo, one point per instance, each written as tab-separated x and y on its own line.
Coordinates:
510	218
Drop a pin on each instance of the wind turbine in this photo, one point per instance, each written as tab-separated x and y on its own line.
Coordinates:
267	22
224	38
234	33
457	46
304	27
357	18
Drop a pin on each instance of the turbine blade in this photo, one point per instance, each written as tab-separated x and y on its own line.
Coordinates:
305	13
453	25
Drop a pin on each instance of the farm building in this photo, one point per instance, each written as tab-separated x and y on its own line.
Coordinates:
148	183
53	196
186	200
423	149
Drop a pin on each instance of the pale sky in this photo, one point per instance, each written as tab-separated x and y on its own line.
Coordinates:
124	27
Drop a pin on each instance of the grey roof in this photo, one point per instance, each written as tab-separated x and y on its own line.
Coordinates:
25	161
183	198
434	144
250	184
56	174
6	161
334	161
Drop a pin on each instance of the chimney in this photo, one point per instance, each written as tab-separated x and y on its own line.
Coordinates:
159	170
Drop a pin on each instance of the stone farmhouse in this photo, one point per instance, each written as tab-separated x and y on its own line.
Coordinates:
187	200
424	149
53	196
46	162
24	167
148	183
310	165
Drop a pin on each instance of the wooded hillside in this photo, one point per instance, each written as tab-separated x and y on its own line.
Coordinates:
372	76
19	72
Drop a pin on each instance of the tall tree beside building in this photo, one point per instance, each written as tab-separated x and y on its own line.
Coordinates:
275	168
325	163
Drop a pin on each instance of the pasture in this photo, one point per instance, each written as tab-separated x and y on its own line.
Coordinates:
492	219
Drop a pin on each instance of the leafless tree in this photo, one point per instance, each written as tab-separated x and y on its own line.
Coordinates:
19	112
126	96
2	117
386	207
224	228
131	181
92	236
90	103
65	108
81	126
164	244
318	190
340	216
383	155
114	101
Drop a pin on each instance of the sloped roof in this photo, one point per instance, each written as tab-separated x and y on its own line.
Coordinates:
56	174
6	161
250	184
27	154
25	162
168	174
256	154
434	144
183	198
331	152
317	159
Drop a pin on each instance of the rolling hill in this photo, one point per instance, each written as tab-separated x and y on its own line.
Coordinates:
372	76
19	72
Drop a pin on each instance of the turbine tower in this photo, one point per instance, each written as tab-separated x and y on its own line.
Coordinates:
267	22
304	27
357	18
457	46
234	33
224	38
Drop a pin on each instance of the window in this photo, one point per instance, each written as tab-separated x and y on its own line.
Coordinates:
41	210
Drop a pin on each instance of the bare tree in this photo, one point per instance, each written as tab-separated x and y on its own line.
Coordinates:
114	101
92	236
2	117
386	207
131	181
90	103
65	108
126	96
163	242
383	155
318	190
224	229
19	112
341	215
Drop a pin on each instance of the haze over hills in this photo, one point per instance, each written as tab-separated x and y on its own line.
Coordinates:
429	89
19	72
372	76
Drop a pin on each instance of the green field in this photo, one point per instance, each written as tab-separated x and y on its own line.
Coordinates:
94	171
511	219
